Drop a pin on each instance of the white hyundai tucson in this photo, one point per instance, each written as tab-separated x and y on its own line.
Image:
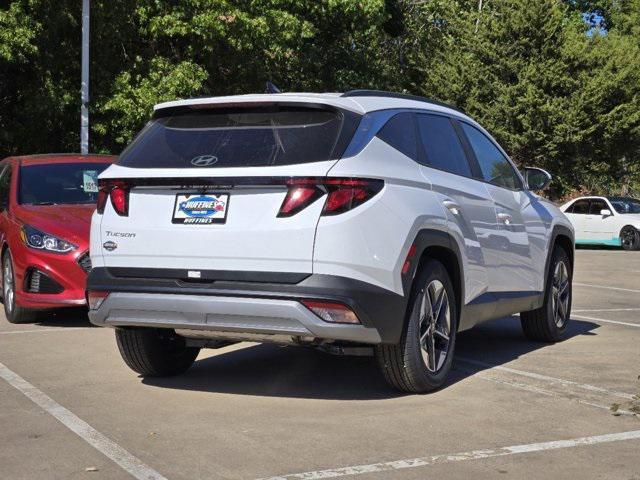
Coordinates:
346	222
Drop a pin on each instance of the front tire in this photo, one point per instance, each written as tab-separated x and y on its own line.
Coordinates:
155	352
13	312
422	360
549	322
630	238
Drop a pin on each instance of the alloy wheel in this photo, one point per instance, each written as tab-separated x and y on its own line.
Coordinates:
435	325
560	293
7	284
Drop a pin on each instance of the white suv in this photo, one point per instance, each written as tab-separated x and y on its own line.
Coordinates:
337	221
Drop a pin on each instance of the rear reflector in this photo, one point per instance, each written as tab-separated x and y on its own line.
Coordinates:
343	194
407	262
332	312
95	298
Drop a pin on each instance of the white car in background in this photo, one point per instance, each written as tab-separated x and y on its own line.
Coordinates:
611	221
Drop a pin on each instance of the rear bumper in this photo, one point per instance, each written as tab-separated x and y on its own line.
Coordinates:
166	299
252	316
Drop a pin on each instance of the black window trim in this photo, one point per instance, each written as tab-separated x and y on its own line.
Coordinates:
495	144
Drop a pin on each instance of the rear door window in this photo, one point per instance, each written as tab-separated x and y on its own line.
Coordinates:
241	137
596	206
400	133
442	146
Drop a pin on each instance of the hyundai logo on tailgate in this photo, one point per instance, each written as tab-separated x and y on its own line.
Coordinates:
204	160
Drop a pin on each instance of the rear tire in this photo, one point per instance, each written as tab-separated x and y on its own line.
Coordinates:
549	322
13	312
155	352
422	360
630	238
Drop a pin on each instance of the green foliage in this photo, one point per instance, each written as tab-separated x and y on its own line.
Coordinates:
556	81
136	94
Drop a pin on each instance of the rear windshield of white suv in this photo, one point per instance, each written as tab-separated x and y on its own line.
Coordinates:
241	137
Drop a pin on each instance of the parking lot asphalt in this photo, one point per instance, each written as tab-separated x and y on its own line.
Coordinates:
71	409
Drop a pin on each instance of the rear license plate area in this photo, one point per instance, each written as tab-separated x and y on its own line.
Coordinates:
200	208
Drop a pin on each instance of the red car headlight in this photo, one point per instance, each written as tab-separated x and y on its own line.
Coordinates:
34	238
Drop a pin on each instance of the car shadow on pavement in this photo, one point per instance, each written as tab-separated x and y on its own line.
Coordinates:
297	372
63	317
502	341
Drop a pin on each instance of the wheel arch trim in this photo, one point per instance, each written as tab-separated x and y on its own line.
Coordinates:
558	232
434	240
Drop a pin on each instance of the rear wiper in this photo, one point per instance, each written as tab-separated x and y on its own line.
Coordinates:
44	203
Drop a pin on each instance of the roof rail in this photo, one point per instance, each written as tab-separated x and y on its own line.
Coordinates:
404	96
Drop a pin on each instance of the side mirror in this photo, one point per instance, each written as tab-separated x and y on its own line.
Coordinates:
605	212
536	178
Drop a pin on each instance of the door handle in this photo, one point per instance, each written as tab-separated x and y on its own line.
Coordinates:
452	206
505	218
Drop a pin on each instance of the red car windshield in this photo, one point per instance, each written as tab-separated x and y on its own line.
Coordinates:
59	183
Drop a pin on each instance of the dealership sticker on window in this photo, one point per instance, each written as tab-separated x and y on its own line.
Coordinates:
90	181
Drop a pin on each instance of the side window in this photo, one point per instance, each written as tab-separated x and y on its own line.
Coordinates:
597	205
400	133
581	207
495	168
5	186
442	145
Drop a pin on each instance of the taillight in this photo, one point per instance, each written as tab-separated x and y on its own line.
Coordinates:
348	193
302	193
332	312
118	191
120	198
343	194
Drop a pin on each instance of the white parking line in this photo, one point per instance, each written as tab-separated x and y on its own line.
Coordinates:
605	287
43	330
545	378
603	320
459	457
97	440
606	310
542	391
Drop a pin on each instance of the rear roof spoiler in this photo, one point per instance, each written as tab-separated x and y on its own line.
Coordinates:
243	101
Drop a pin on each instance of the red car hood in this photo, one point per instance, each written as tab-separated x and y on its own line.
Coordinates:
69	222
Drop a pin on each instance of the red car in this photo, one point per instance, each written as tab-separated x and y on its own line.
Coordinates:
46	203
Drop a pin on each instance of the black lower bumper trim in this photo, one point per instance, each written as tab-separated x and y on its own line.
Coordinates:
376	307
